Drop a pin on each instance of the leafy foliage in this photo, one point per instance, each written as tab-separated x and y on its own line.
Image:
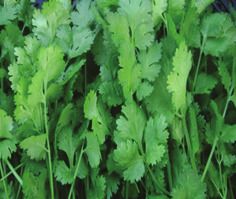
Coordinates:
117	99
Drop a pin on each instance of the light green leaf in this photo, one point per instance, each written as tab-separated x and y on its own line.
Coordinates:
156	139
35	146
127	156
92	150
205	83
177	79
90	106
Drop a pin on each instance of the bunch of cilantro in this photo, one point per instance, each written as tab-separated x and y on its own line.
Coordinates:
124	99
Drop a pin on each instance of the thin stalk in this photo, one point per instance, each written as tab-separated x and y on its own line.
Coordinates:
9	173
126	190
231	189
4	183
76	172
198	62
136	186
150	171
48	141
156	182
169	173
228	100
216	138
209	159
190	152
217	189
19	187
14	172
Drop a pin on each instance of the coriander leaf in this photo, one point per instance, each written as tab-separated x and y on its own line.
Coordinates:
191	22
228	134
67	143
201	5
98	187
7	142
131	124
90	106
144	90
219	32
189	185
127	156
51	61
83	8
182	62
64	174
158	8
6	125
149	61
205	83
156	139
8	12
112	186
35	146
47	21
92	150
139	20
160	99
34	182
225	75
7	147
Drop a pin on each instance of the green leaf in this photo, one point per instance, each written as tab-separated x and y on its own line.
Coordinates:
158	8
64	174
219	32
228	134
225	76
156	137
6	125
7	147
90	106
201	5
47	21
34	182
189	185
81	41
127	156
35	146
51	61
142	29
112	185
7	142
182	62
67	143
205	83
144	90
131	125
92	150
8	12
97	189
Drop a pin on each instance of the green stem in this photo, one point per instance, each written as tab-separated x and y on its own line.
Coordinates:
48	141
198	62
9	173
190	151
4	183
76	172
19	187
14	172
169	173
228	100
209	159
156	182
126	190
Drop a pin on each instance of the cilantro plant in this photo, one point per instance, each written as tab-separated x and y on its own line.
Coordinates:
117	99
